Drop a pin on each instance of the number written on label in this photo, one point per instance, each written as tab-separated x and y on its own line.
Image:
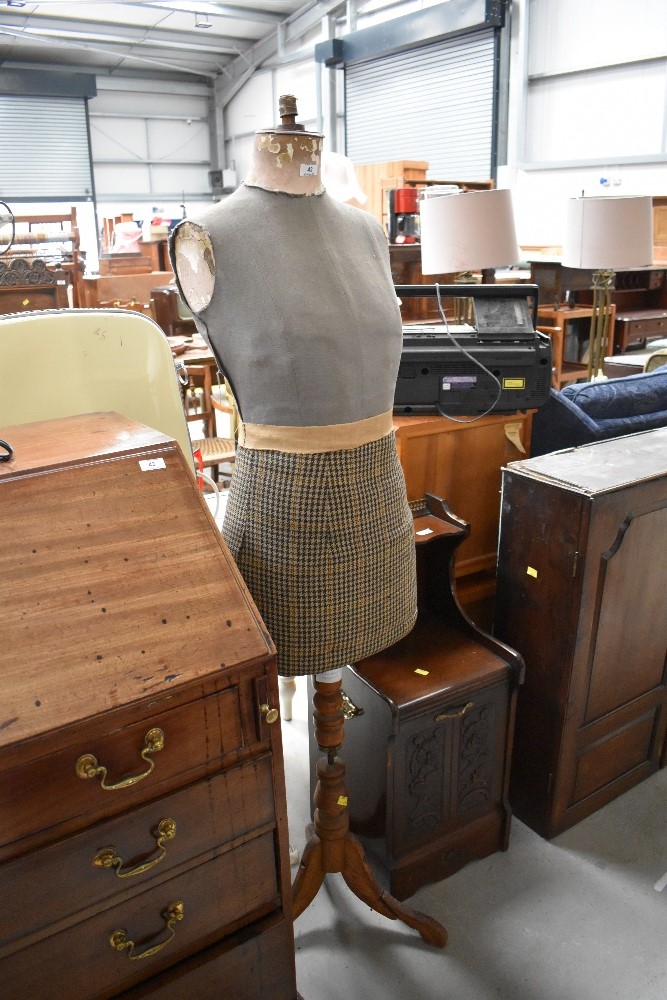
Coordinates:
149	464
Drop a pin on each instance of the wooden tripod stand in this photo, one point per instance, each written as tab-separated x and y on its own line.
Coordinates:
330	846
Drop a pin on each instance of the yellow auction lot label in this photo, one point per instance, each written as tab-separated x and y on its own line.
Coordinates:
514	383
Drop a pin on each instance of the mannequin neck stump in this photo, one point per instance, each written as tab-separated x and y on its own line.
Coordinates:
288	162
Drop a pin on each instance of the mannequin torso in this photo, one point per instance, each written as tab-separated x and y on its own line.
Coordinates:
293	292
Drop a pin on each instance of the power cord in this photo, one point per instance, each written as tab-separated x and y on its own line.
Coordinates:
479	364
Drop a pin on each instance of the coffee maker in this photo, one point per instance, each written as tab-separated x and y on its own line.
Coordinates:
403	215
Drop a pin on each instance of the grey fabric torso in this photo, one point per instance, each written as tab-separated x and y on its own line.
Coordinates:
303	319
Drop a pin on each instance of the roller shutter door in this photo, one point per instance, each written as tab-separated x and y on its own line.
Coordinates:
44	149
433	103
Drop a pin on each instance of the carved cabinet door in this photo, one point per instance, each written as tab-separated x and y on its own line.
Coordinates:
448	767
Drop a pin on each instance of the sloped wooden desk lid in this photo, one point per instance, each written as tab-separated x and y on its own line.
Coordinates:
115	584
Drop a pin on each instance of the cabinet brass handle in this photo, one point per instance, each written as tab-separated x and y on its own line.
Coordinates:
119	940
455	715
270	714
350	710
108	857
88	767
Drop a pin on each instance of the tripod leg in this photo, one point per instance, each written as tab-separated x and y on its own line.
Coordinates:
309	877
361	881
330	846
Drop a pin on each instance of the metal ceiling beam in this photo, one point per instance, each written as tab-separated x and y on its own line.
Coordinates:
181	67
224	10
56	27
239	71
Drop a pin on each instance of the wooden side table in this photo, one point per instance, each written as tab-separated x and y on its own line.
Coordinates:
568	371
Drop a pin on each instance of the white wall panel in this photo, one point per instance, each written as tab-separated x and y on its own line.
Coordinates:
165	179
238	153
143	126
601	114
115	181
118	139
298	79
176	140
567	35
252	108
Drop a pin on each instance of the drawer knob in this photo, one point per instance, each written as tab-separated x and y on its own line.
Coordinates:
88	767
270	714
108	857
456	714
119	940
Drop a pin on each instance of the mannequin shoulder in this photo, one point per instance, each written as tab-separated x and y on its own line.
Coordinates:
194	263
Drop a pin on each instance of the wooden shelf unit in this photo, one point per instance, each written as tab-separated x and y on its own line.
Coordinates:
54	238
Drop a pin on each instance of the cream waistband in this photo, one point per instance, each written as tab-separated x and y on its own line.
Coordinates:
308	440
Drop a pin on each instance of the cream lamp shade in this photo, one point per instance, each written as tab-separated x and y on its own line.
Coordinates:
608	233
467	231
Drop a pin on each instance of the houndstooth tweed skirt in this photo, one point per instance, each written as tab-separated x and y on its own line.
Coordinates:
326	547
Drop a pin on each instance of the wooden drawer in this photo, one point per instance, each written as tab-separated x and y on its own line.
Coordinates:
49	885
257	966
636	330
39	797
80	962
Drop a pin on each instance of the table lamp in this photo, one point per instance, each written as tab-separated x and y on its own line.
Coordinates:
606	234
467	231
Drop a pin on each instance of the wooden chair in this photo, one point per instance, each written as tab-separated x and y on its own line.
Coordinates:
171	312
201	405
63	362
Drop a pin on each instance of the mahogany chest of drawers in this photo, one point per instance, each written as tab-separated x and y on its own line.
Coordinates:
143	842
582	578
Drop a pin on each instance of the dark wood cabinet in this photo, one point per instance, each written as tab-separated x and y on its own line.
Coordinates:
429	726
639	297
580	594
143	831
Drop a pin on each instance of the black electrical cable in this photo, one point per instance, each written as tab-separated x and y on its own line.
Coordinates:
7	448
479	364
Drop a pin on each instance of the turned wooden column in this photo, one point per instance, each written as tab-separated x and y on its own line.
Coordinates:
330	846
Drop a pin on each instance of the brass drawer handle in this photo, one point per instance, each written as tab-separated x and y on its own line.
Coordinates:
350	710
87	766
119	940
108	857
270	714
455	715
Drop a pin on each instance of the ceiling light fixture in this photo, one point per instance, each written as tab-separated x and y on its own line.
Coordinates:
202	21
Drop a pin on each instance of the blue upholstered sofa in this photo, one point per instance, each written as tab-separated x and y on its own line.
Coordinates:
593	411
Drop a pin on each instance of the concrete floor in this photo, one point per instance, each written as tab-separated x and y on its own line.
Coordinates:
576	918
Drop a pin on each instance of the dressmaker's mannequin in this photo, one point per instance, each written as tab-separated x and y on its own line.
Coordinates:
293	292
